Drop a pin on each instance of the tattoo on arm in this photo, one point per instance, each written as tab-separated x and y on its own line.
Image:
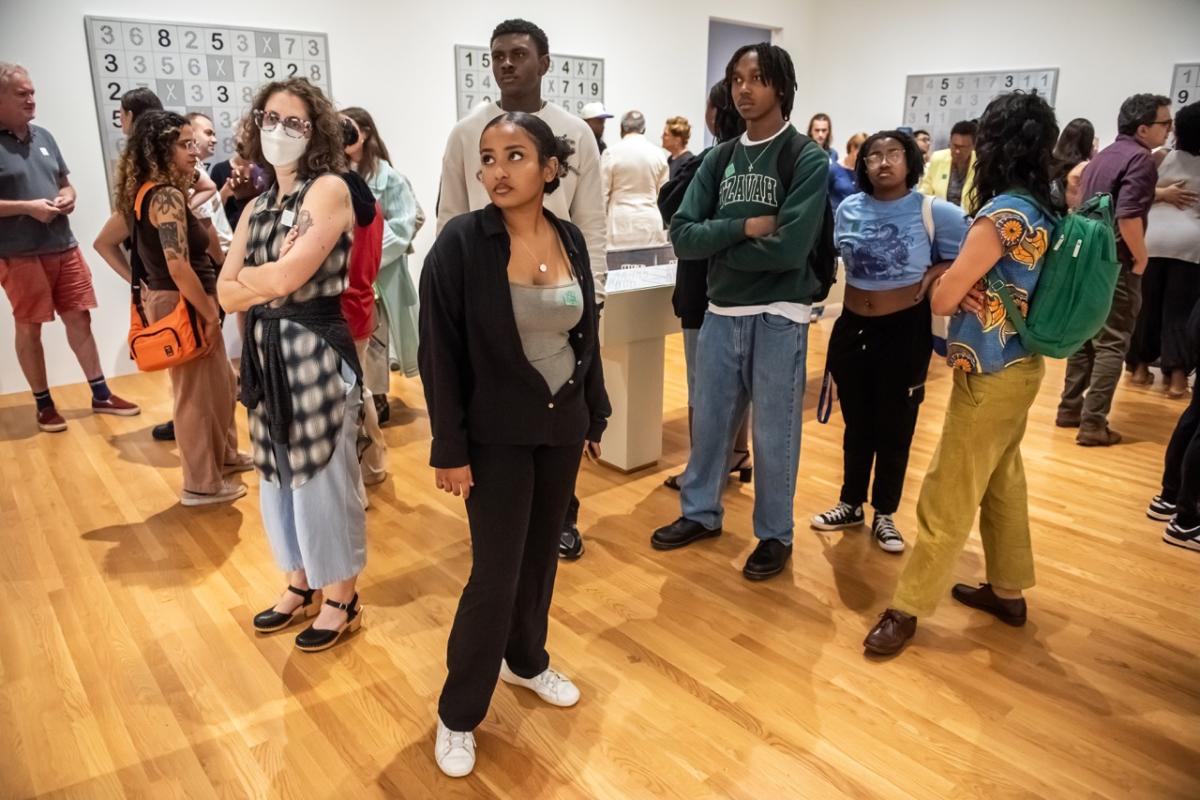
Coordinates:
171	218
303	223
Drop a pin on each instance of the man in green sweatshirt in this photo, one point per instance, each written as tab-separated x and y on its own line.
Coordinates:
757	228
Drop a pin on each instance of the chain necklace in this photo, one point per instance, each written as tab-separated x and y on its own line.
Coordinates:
541	264
753	161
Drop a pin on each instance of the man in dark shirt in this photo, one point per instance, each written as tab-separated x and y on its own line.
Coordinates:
41	267
1126	170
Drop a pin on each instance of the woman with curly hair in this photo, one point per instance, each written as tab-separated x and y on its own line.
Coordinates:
301	379
156	170
977	466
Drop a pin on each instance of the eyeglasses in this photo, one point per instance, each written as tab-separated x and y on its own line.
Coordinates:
1168	123
190	145
293	126
891	157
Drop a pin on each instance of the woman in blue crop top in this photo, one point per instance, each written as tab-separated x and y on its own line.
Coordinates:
977	466
894	242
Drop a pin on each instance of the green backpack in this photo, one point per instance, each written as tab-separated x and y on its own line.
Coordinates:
1075	290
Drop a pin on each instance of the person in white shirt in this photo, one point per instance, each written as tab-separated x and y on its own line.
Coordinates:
206	205
634	170
520	57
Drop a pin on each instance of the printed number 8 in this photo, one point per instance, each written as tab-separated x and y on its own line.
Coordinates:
164	37
315	72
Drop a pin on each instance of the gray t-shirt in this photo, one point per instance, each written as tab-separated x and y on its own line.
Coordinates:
32	170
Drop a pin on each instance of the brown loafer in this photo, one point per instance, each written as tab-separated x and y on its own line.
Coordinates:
891	633
1010	612
1097	437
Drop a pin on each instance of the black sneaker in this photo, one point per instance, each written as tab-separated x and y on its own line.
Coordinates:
164	432
767	560
382	408
1186	535
841	516
886	534
570	545
1160	510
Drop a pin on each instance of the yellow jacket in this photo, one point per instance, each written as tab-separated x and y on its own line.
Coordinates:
936	180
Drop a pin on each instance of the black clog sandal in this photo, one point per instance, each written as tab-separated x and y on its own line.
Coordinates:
271	620
314	640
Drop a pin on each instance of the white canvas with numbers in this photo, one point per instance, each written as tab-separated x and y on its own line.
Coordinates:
571	82
936	101
1185	85
212	69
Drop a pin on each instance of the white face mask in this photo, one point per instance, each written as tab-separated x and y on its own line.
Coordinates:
280	149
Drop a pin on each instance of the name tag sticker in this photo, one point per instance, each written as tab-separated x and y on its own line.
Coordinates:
45	152
287	218
570	298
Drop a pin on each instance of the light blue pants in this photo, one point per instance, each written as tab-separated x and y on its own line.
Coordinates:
759	358
320	527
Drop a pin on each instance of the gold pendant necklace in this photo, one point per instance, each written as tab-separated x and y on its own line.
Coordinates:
541	265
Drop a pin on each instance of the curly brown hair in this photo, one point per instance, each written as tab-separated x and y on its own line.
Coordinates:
324	153
679	126
148	156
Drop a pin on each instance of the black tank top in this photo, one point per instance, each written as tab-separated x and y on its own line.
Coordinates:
155	263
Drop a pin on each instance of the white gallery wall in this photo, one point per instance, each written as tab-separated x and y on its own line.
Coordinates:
396	59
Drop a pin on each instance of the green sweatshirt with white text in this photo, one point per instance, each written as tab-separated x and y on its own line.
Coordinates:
710	224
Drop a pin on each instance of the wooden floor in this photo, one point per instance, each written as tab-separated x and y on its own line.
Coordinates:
128	666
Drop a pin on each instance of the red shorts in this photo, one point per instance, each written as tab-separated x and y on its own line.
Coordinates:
37	286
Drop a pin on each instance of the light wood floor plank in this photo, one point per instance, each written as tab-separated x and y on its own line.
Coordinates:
128	667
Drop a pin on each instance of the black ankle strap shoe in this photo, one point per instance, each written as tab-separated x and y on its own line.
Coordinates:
271	620
314	640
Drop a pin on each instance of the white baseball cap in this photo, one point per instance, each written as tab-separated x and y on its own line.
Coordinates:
594	111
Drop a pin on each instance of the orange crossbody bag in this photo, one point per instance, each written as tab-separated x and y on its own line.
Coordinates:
171	341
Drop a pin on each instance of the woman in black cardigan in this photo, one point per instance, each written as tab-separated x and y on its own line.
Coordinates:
510	362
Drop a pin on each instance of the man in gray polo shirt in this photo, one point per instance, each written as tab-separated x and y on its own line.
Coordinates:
41	267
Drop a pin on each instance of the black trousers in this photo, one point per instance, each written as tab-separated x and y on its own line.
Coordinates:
1170	289
515	510
879	365
1181	475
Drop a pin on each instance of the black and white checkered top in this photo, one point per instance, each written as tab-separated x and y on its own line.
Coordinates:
318	390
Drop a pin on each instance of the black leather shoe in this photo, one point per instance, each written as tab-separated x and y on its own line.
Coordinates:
767	560
1010	612
271	620
681	533
164	432
570	545
313	640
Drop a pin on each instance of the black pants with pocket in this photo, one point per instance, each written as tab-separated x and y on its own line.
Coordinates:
1181	474
879	365
1170	289
515	511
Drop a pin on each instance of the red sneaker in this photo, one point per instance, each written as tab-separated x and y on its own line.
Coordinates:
115	405
50	421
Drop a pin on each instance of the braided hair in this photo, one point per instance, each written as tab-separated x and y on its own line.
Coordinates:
777	71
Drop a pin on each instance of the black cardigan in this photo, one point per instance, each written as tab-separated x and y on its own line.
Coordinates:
479	386
690	297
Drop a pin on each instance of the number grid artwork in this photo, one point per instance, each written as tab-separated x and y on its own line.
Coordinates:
571	82
215	70
1185	85
934	102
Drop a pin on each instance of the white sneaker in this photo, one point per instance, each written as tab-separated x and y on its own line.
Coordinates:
227	494
555	689
454	751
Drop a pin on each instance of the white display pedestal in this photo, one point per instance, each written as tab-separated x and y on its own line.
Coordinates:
632	331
